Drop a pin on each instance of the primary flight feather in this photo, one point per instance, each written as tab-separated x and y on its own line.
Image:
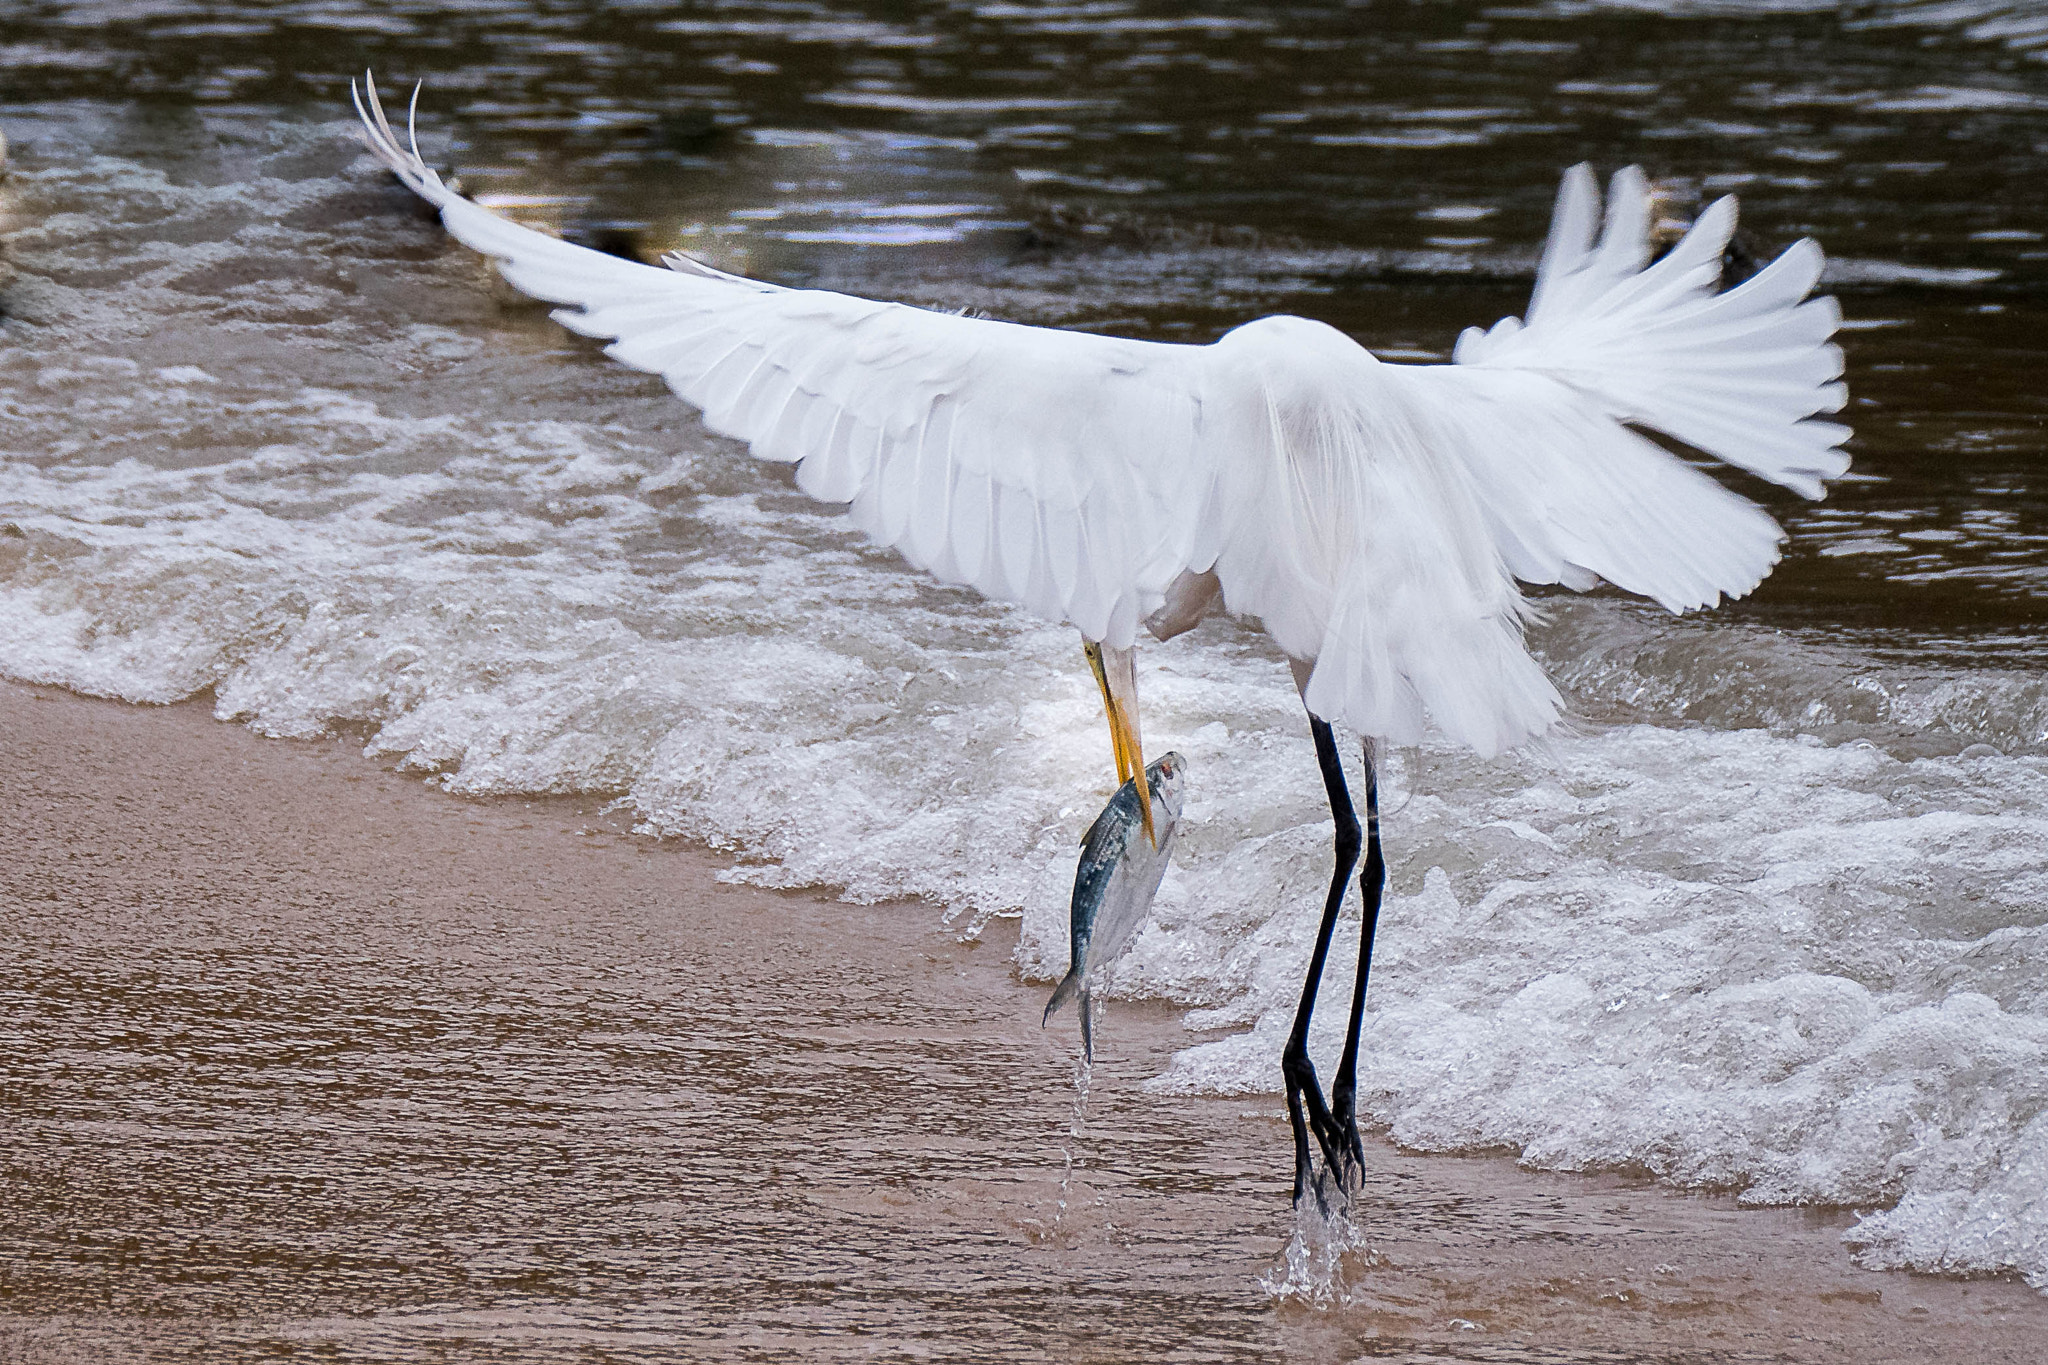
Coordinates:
1374	517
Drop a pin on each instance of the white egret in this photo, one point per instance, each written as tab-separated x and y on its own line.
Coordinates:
1374	517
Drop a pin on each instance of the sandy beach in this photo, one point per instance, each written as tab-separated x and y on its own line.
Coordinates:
306	1060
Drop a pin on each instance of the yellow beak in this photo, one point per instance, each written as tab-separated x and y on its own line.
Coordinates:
1116	674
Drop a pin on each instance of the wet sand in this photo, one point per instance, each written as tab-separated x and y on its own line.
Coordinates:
301	1059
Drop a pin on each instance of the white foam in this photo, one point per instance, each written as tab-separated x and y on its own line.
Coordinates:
1736	957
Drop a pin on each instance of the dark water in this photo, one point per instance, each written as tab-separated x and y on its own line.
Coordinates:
1164	170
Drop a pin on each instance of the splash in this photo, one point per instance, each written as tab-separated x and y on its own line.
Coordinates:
1326	1261
1077	1120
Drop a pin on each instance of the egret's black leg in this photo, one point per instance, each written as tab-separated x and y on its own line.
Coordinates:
1371	883
1305	1107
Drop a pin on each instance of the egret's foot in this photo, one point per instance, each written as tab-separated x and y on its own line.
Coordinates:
1333	1192
1334	1185
1329	1162
1344	1107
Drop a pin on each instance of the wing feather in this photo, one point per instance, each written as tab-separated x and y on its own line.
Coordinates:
931	532
784	438
972	446
968	528
1541	412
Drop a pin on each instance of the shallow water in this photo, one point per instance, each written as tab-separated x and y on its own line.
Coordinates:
325	1064
1776	906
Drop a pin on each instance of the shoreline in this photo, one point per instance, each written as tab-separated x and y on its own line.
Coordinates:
312	1057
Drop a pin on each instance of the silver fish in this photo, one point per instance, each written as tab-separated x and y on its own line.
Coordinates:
1114	884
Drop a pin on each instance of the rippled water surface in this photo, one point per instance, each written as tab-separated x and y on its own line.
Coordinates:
1388	167
1777	904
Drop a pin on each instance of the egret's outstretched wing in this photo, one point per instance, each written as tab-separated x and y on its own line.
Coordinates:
1735	374
1061	470
1741	376
1390	498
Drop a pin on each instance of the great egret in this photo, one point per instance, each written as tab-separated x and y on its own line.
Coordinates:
1374	517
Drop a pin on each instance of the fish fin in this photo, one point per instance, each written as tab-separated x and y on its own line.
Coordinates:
1087	1026
1061	994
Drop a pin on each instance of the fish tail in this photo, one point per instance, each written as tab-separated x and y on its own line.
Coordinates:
1087	1027
1061	994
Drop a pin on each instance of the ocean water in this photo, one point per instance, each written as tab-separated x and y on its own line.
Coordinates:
1769	917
